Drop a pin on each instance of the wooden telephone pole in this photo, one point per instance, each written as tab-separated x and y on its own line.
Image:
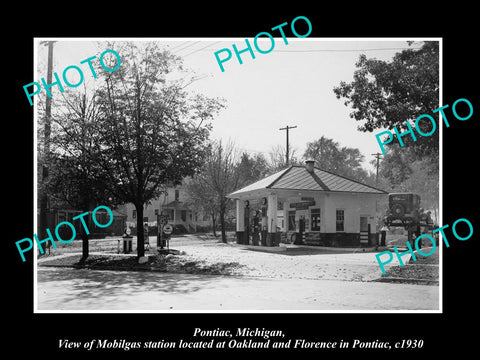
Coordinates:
44	201
287	149
377	155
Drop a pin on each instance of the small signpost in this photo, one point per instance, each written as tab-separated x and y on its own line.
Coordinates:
127	241
164	231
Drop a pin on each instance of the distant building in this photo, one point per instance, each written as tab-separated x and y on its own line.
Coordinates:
175	204
62	213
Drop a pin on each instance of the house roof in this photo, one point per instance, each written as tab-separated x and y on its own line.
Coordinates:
298	178
66	208
175	205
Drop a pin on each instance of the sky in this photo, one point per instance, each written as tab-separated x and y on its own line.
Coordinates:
291	85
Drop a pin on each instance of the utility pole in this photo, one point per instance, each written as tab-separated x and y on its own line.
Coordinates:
377	155
44	202
287	149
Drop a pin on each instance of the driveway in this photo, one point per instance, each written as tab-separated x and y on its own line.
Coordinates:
291	262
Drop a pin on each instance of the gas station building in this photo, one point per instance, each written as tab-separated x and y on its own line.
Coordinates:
307	205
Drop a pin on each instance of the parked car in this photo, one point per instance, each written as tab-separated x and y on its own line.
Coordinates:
404	210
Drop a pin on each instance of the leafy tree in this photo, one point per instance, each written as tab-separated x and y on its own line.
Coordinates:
395	166
385	94
152	132
329	155
75	175
400	171
73	178
252	168
424	181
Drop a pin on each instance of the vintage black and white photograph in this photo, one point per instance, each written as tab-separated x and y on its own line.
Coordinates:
268	174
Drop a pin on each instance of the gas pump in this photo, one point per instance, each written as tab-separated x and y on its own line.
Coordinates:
256	228
301	231
246	233
264	225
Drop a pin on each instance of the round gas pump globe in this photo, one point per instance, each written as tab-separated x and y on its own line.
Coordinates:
128	231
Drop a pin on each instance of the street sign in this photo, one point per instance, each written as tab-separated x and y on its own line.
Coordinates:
168	229
162	219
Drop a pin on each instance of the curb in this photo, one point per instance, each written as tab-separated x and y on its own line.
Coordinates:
407	280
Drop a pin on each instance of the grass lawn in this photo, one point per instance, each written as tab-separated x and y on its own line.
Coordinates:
172	263
424	270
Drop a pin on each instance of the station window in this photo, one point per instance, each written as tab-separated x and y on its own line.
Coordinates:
315	216
340	220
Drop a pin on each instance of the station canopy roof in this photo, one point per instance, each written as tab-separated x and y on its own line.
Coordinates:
298	178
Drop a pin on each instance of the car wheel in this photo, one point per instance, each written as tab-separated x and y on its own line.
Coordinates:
398	210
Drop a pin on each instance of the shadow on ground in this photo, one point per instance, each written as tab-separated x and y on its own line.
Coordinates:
89	285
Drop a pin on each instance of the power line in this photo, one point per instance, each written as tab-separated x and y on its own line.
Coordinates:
345	50
206	48
193	52
186	47
177	46
323	50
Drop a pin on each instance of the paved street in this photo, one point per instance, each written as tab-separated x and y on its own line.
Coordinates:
71	289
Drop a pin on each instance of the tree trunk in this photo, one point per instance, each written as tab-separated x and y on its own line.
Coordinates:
84	246
222	224
44	224
140	239
84	237
214	224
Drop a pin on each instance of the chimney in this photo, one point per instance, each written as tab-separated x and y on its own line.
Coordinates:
309	165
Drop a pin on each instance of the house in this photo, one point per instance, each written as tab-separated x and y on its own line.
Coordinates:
307	205
62	213
174	203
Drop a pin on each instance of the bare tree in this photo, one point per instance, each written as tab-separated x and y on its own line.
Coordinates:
201	197
218	177
278	158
